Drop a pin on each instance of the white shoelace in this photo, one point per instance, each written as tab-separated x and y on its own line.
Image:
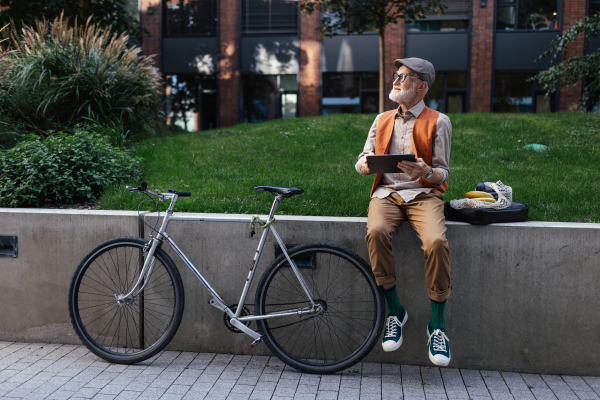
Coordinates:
391	327
439	344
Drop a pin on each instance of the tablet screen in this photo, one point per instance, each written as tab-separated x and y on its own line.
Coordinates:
387	163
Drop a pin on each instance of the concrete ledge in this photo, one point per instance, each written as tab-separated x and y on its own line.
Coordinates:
524	294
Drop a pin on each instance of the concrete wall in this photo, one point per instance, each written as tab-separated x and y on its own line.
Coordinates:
524	294
34	287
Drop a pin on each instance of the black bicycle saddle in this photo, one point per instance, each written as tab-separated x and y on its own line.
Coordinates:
285	191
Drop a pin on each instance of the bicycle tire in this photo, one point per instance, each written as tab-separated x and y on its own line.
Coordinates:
354	314
151	319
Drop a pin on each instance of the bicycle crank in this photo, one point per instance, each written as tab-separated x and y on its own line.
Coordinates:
227	318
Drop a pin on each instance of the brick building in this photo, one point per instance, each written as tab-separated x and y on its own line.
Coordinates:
232	61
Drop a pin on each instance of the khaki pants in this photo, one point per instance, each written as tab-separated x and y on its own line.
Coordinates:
426	215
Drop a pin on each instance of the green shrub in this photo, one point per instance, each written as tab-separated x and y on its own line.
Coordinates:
53	77
64	167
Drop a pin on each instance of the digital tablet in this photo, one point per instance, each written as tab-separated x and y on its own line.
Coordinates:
387	163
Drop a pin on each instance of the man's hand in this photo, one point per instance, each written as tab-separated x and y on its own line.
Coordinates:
416	169
364	167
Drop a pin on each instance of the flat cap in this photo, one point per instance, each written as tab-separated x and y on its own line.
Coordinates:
423	68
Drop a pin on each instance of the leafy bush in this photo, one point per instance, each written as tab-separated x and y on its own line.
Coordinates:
54	76
64	167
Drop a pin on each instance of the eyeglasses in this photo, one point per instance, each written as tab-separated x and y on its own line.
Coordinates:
402	77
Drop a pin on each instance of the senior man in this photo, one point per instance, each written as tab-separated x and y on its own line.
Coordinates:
415	196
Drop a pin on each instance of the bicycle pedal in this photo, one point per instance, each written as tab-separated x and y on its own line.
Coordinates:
257	342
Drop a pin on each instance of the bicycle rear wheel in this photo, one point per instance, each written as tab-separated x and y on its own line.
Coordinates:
340	336
137	329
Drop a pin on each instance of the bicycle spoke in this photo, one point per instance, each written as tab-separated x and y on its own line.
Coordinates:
344	329
120	328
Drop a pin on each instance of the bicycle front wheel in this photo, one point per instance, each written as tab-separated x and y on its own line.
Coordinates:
352	318
129	331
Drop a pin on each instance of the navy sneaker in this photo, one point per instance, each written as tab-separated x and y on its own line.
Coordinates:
439	350
392	339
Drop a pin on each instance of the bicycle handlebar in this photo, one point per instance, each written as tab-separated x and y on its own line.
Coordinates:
179	193
144	188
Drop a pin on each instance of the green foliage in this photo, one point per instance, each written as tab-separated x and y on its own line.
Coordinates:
10	135
110	127
119	15
220	167
54	81
572	70
64	167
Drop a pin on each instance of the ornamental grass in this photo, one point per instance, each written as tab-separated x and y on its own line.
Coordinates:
56	75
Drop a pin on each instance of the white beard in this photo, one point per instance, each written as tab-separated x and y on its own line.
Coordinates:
402	96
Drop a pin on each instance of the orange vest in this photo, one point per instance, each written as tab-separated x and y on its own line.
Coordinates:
422	140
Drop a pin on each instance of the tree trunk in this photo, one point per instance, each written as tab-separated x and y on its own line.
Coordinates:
381	72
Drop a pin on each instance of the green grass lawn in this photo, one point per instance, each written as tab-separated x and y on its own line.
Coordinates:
220	167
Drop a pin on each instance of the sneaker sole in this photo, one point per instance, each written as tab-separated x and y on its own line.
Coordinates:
440	363
397	345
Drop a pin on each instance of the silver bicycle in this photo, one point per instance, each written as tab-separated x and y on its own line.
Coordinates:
317	306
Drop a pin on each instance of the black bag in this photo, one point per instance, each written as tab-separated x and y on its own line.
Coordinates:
516	212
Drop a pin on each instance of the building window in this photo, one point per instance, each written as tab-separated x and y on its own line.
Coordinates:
594	8
527	14
190	17
513	94
191	102
270	16
455	19
267	97
448	94
350	92
439	26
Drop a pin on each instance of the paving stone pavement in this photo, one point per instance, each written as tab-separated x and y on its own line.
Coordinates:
58	372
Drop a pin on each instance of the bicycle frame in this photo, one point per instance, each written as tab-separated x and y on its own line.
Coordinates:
236	319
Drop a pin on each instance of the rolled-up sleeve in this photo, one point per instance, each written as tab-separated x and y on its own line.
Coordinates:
441	146
369	148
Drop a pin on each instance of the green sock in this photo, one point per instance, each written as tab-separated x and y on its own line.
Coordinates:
391	301
437	315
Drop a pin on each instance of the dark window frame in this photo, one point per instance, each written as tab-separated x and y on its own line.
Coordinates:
507	3
589	6
165	15
435	18
244	18
278	90
199	93
361	91
468	30
534	91
447	91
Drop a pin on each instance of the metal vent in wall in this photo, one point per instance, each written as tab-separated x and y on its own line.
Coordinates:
8	246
